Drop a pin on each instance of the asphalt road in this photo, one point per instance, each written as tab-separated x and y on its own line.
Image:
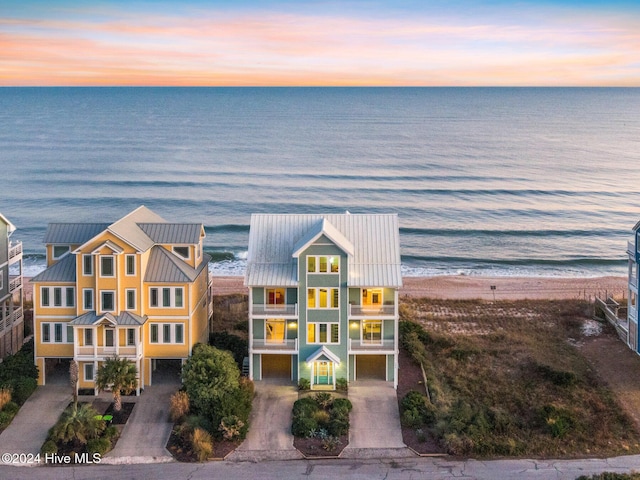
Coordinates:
406	468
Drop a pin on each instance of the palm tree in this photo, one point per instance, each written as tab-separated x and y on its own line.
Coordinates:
78	424
118	374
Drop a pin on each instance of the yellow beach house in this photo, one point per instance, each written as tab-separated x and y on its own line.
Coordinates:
137	289
11	306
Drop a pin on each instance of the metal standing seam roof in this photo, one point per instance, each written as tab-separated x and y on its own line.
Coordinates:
125	318
127	228
173	233
72	233
62	271
165	267
375	239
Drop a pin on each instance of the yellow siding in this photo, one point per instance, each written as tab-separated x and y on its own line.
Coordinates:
40	365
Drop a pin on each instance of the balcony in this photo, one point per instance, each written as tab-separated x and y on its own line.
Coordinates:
100	352
275	346
631	248
372	310
275	310
15	283
12	318
15	251
382	346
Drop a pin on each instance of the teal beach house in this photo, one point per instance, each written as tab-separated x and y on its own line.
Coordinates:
323	297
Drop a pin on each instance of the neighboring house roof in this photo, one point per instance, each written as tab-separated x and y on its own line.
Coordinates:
125	318
173	233
64	270
372	242
72	233
323	352
636	227
165	267
10	227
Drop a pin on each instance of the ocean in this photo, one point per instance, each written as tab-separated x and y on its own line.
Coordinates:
485	181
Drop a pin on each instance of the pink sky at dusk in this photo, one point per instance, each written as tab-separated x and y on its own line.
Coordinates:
200	44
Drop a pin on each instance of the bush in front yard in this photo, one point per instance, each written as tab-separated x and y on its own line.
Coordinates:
320	415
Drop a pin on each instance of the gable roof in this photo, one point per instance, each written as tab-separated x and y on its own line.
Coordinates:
323	352
372	242
125	318
72	233
176	233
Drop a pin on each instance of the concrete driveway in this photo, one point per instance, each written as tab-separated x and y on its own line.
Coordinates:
28	430
269	436
144	437
375	421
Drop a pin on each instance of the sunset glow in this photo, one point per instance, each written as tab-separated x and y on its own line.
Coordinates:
319	43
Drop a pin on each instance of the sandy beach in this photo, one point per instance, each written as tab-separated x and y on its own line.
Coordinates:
467	287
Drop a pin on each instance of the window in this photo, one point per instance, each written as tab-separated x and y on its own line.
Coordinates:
131	299
59	251
323	298
182	252
106	266
87	265
88	336
130	262
87	295
276	330
62	333
88	372
57	297
323	333
172	297
275	296
371	297
70	294
46	333
44	296
59	300
323	264
131	336
372	331
107	301
171	333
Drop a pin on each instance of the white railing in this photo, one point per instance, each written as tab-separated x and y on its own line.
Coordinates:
91	351
371	345
15	249
371	310
275	310
15	283
631	248
289	345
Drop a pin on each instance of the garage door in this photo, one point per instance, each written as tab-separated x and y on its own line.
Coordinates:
369	367
276	366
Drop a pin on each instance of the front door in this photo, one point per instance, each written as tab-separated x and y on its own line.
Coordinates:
323	373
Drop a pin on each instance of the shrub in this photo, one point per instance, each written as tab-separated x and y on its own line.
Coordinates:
179	406
324	399
5	397
558	420
11	407
232	343
202	444
557	377
19	365
110	432
342	403
321	417
98	445
49	447
305	406
331	443
342	385
303	426
5	418
186	429
304	384
339	425
231	427
22	388
415	412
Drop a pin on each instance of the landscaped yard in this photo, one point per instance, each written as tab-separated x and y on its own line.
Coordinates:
506	379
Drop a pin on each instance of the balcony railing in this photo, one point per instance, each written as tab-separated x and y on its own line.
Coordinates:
371	310
275	310
631	248
371	345
15	250
14	317
105	352
289	345
15	283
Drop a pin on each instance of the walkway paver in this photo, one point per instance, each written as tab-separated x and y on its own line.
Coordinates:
144	437
30	427
269	435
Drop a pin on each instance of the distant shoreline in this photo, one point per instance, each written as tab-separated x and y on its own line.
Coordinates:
467	287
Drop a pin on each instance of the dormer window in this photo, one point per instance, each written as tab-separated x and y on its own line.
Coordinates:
182	252
59	251
107	266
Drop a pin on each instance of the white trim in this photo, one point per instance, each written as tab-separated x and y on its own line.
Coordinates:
113	265
179	255
91	257
93	372
330	295
51	293
115	301
53	251
173	328
126	299
64	337
93	299
126	265
161	297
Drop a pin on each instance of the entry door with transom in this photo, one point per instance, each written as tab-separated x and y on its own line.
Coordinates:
323	373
